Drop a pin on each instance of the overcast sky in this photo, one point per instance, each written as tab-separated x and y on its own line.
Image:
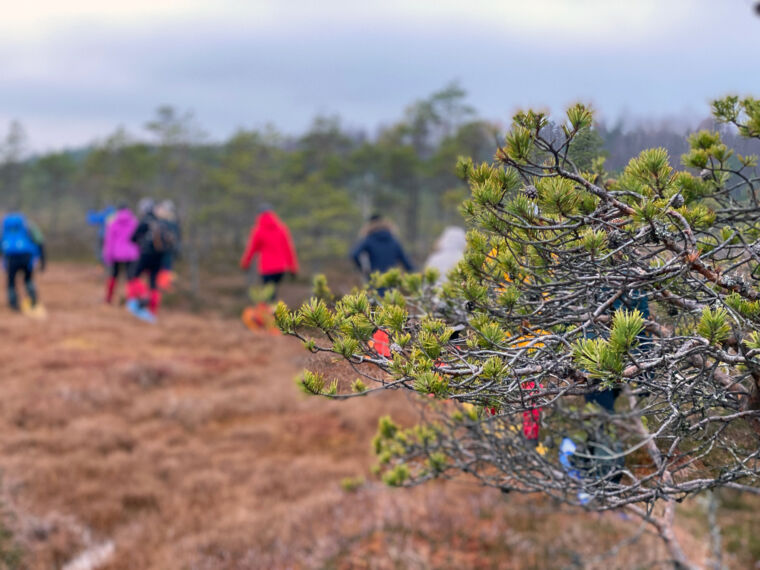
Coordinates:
73	71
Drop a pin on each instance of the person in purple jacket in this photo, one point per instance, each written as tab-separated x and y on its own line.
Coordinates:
119	251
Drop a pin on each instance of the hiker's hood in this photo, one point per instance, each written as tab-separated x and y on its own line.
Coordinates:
268	220
448	250
124	218
382	235
14	222
453	239
379	229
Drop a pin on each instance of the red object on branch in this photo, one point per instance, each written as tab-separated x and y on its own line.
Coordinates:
381	342
532	417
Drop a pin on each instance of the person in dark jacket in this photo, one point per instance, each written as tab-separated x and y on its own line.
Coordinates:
154	239
22	246
380	248
633	300
166	212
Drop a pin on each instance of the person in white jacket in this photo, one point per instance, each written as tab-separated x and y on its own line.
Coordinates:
448	251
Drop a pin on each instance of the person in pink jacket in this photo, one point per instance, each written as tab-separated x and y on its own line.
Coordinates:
119	251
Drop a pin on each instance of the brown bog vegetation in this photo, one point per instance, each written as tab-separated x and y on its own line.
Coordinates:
188	445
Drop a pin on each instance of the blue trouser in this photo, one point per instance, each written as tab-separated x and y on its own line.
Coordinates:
20	263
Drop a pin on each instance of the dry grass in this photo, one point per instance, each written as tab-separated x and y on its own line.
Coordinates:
188	445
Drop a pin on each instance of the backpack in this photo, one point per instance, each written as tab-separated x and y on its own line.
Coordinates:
16	236
162	236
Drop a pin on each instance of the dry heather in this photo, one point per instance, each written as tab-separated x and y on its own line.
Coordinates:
187	445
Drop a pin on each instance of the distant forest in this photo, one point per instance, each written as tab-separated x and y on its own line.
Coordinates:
323	183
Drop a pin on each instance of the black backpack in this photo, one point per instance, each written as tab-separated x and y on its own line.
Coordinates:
162	236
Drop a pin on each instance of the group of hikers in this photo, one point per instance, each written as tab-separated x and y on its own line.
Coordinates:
377	250
143	247
146	244
128	244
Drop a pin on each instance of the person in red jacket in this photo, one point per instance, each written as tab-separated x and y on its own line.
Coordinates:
270	239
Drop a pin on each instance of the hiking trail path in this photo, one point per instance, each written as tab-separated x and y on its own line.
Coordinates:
187	444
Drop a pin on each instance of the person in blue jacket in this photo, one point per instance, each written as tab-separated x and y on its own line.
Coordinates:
22	245
378	249
100	220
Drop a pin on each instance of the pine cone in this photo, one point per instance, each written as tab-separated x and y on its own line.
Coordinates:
705	173
677	201
530	192
616	238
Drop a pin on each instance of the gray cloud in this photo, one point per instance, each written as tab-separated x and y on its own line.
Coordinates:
234	74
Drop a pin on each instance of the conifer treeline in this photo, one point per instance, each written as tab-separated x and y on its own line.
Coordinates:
323	183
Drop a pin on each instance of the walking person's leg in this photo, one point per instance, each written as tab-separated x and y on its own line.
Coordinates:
111	282
274	279
154	267
133	279
136	291
28	270
11	268
128	268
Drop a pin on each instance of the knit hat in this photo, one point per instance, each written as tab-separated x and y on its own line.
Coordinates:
145	206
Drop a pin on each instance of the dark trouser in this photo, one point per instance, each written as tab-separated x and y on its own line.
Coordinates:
114	271
118	266
275	279
15	263
605	398
150	262
167	263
